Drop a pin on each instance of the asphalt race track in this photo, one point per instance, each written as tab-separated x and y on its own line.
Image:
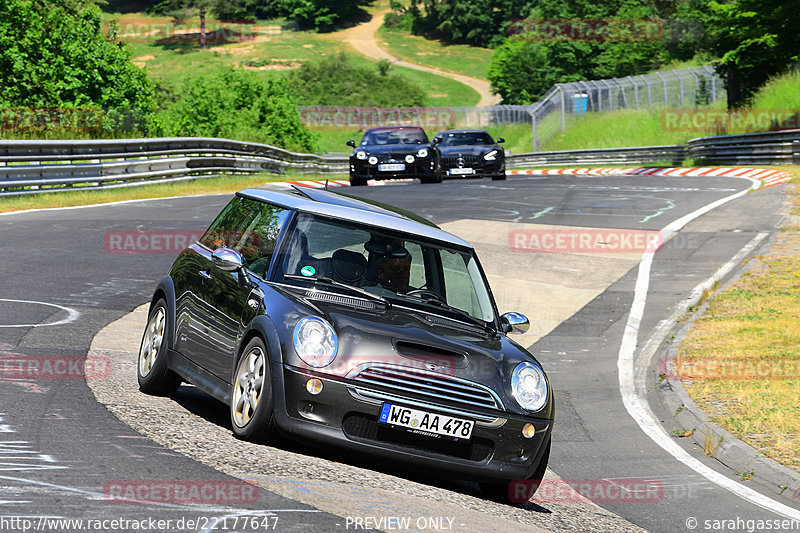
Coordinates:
62	453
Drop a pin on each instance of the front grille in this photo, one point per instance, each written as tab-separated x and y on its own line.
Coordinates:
360	426
426	390
452	161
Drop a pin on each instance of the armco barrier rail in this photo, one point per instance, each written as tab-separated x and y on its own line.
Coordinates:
771	148
28	167
65	165
672	154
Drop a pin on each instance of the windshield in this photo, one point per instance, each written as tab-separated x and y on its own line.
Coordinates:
404	270
387	136
466	138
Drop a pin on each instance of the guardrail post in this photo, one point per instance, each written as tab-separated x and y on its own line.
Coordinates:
563	107
796	152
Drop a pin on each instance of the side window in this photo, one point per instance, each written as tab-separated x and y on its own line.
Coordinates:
259	237
224	231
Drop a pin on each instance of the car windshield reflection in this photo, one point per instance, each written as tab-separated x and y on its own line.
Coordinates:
390	265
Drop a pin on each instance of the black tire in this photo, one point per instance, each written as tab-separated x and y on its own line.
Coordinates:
151	367
499	492
252	424
500	177
355	181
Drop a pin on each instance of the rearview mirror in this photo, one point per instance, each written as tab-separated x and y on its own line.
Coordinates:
515	323
351	143
500	140
437	140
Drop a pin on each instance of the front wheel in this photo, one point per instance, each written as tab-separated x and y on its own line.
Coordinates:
151	370
251	398
355	181
499	177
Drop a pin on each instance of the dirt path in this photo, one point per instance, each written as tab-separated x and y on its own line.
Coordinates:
362	38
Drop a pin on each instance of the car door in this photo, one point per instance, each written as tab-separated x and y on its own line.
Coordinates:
197	335
227	296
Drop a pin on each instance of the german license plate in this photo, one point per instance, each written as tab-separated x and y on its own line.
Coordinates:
460	171
425	422
391	167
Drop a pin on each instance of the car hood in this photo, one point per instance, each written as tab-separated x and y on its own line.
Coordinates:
466	150
423	341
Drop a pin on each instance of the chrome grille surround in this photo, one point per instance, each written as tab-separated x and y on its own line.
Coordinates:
429	387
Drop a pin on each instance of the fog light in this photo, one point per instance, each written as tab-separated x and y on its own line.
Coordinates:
314	386
528	430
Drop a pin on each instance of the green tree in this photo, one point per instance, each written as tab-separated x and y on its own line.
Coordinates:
236	104
55	55
324	15
753	40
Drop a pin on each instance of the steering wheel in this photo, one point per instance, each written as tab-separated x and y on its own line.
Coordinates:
425	292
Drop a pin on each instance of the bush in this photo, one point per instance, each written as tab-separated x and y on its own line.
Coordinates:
335	81
239	105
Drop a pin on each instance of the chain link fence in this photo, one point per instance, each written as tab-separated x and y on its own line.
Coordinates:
677	89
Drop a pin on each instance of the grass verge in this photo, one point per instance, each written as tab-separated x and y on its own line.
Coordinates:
222	184
458	58
741	360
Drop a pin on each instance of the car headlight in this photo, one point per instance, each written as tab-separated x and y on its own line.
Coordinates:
529	386
423	152
361	155
490	156
409	158
373	160
315	341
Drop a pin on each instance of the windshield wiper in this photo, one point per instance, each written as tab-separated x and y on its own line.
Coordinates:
460	312
334	283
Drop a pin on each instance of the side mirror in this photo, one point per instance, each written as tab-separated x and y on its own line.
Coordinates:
437	140
351	143
515	323
227	259
500	140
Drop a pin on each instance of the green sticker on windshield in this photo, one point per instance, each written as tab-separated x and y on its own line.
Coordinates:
308	271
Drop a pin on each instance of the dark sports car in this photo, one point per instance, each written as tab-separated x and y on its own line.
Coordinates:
394	152
471	153
344	323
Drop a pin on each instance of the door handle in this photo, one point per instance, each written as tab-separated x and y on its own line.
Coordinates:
204	274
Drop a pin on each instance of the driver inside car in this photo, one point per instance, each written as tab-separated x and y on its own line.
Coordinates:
394	273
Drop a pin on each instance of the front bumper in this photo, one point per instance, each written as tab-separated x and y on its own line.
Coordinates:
482	169
420	168
337	417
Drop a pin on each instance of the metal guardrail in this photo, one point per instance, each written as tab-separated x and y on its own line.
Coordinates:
65	165
28	167
769	148
672	154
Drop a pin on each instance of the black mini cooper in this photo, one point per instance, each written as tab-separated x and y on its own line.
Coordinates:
471	153
394	152
341	322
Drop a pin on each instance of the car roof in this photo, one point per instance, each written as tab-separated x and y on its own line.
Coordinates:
336	205
394	128
463	131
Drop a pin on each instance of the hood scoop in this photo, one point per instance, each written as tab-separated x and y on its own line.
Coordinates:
433	355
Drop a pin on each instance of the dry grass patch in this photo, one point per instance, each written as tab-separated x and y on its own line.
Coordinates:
741	361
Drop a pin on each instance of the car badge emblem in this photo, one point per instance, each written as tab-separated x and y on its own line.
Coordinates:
431	367
460	161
